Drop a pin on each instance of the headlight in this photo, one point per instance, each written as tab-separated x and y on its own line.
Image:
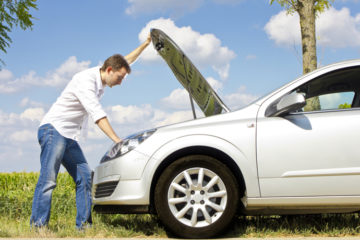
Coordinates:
128	144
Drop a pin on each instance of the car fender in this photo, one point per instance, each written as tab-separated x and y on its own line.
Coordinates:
246	166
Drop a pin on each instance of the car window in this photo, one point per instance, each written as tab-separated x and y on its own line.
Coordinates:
335	90
336	100
331	101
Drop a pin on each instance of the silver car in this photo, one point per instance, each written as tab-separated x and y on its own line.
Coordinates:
294	151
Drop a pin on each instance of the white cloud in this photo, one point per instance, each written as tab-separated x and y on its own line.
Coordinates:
334	28
284	28
215	84
26	102
239	99
130	119
15	159
65	72
176	117
6	83
130	114
202	49
94	132
56	78
23	136
16	128
19	148
7	119
5	75
337	28
178	99
33	114
29	117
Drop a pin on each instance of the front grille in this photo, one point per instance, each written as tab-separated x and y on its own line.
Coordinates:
105	189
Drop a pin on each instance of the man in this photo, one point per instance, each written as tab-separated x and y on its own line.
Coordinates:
60	129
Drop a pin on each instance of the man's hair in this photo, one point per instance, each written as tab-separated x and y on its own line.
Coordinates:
116	61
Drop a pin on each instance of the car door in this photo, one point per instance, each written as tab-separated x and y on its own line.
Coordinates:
315	151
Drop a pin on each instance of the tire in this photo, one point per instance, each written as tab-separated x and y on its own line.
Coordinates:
178	196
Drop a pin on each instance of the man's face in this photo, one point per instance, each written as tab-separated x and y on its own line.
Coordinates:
115	77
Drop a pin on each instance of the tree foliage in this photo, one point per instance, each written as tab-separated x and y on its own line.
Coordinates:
294	5
14	13
344	105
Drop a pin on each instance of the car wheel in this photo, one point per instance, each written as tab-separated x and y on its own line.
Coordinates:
196	197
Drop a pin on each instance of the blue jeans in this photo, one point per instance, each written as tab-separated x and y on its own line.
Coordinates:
56	150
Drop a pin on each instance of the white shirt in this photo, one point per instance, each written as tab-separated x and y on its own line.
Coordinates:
81	98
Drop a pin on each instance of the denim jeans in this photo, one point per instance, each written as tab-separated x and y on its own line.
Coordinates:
56	150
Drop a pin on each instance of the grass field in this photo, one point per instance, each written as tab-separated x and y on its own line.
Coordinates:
16	191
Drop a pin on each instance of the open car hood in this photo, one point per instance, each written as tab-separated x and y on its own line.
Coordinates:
187	74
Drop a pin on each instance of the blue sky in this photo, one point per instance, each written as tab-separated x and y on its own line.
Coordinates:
245	48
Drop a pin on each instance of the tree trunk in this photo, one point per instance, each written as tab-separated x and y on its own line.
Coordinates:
306	10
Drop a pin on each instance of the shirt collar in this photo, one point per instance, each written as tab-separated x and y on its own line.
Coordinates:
99	85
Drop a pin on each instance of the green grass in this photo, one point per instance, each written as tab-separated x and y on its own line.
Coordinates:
16	192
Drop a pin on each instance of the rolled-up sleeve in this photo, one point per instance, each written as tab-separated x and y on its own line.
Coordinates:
85	91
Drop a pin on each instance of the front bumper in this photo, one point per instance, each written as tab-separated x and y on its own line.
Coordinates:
120	182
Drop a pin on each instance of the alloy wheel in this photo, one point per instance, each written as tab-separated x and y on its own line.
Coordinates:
197	197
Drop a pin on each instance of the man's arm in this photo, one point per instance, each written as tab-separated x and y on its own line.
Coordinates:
105	126
131	57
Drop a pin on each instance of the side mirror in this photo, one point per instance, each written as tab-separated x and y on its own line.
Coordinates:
286	104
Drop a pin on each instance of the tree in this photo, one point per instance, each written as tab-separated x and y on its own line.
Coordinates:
344	105
307	10
14	13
